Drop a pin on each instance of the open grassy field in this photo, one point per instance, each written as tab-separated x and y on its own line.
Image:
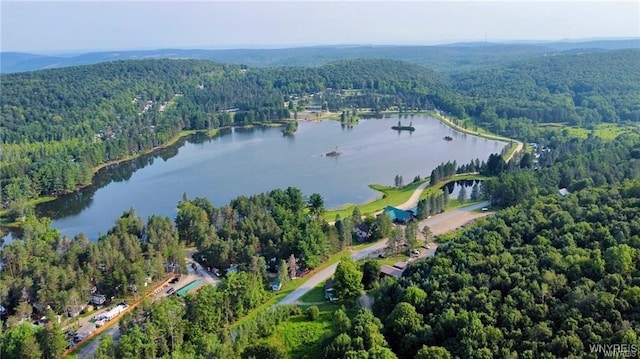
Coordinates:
606	131
391	196
305	339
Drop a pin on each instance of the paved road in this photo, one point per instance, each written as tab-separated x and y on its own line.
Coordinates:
326	273
439	224
451	220
114	330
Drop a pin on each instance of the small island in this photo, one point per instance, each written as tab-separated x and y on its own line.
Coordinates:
399	127
290	128
447	138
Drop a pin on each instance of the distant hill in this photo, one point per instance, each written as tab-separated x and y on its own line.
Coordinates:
446	58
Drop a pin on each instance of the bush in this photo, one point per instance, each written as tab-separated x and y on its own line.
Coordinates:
313	313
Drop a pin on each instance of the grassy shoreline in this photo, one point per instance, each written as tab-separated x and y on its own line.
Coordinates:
389	197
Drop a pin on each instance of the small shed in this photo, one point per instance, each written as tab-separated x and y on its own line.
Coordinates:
276	284
329	291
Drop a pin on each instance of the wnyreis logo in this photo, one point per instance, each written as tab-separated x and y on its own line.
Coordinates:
615	350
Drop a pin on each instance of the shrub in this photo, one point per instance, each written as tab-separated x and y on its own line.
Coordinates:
313	312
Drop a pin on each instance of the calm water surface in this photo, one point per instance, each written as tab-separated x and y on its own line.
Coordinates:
246	162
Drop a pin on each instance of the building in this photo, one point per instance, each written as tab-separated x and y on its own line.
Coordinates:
393	271
191	287
98	299
329	291
398	215
362	231
276	284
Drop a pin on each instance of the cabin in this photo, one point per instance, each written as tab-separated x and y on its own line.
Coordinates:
362	231
329	291
393	271
398	215
232	269
276	285
98	299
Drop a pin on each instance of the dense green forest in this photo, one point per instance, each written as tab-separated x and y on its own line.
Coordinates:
579	89
547	276
58	125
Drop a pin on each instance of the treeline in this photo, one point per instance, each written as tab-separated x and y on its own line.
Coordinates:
250	229
45	269
570	163
547	276
58	125
580	89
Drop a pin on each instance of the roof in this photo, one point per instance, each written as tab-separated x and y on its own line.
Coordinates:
363	227
400	265
563	191
189	288
329	284
397	214
391	271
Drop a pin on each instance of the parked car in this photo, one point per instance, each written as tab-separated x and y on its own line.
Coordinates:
426	246
174	280
415	251
171	290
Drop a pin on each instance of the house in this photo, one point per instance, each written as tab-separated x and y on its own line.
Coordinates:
75	310
390	271
393	271
400	265
563	192
398	215
98	299
232	269
329	291
362	231
276	284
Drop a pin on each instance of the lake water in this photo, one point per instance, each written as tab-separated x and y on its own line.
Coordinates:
250	161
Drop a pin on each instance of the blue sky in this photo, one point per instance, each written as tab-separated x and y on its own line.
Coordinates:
50	26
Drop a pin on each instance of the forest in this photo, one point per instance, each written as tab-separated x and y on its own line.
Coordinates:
546	276
59	125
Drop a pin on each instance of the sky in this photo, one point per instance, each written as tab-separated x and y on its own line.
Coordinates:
90	25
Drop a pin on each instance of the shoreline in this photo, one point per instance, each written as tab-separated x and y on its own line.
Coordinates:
320	116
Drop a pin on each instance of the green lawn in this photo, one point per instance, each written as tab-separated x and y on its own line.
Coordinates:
315	295
390	196
305	339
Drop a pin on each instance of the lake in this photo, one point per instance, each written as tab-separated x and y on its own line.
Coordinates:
249	161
